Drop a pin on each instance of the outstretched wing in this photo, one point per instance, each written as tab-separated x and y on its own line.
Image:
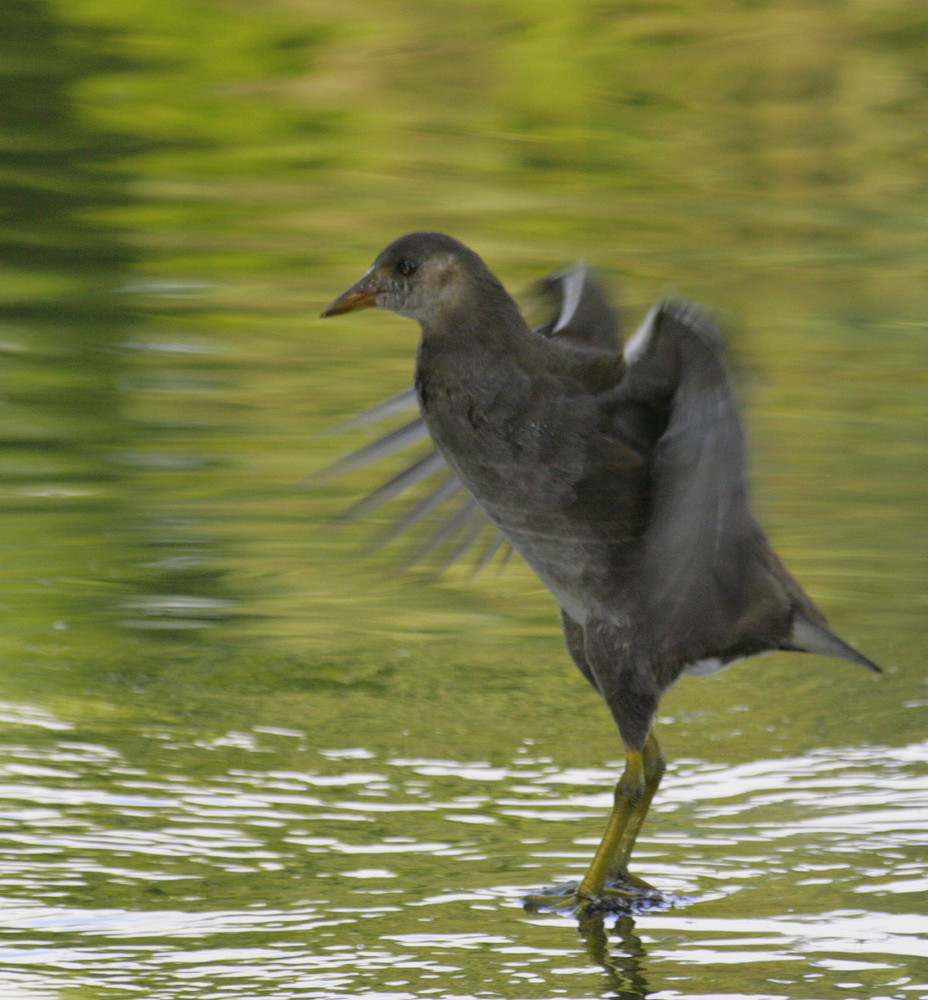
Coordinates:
578	313
708	578
581	311
699	572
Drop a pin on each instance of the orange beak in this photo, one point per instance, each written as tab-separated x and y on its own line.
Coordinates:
361	295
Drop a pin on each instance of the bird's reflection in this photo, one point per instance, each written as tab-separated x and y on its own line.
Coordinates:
620	952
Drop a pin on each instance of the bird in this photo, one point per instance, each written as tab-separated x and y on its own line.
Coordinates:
618	473
578	309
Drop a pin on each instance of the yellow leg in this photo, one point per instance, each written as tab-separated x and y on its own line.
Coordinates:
654	767
607	877
633	794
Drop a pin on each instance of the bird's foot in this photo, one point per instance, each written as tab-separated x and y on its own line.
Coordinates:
625	894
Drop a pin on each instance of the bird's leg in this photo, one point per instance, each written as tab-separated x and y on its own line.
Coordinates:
605	655
608	872
653	767
607	880
627	796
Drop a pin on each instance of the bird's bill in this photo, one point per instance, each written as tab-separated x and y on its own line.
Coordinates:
361	295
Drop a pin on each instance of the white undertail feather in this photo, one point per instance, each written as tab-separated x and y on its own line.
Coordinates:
810	637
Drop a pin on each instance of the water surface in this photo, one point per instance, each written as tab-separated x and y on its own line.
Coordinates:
240	761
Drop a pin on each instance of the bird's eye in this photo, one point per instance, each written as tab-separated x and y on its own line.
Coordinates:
407	267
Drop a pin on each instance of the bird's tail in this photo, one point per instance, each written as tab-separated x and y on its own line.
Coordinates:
808	636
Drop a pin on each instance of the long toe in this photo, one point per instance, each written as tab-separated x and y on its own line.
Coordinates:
626	895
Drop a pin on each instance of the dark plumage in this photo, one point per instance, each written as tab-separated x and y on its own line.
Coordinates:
617	475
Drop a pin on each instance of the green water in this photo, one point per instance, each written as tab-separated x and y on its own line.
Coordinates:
238	760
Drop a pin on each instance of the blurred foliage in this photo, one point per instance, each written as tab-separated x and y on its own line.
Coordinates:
196	661
187	182
793	123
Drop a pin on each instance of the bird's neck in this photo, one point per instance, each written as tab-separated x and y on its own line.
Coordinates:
483	320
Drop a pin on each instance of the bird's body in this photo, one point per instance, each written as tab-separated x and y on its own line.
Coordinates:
618	476
523	440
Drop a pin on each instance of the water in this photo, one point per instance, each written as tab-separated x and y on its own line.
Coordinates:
239	761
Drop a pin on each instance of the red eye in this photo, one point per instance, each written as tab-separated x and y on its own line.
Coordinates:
407	267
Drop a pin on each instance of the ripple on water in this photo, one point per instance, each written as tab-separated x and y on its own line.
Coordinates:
336	879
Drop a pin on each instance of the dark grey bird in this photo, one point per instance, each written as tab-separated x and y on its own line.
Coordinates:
577	308
619	476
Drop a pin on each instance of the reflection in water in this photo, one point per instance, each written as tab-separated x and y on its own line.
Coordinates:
235	764
61	409
350	871
620	952
80	469
151	435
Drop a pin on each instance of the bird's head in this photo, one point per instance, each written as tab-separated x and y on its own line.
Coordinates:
420	275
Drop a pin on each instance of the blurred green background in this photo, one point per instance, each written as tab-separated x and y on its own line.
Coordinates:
185	185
